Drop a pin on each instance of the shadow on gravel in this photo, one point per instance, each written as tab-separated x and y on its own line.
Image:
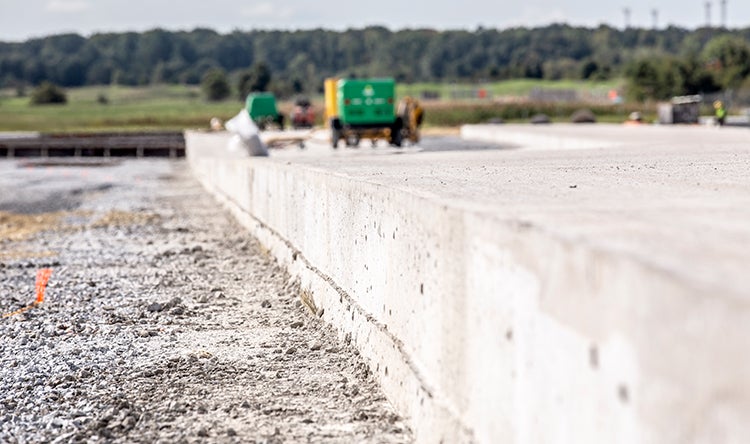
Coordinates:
68	163
49	203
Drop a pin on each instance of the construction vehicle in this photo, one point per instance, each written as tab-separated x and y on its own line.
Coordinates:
262	110
303	115
359	109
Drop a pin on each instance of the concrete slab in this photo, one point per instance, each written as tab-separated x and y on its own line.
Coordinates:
550	284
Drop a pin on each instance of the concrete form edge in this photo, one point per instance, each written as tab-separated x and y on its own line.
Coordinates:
629	354
429	415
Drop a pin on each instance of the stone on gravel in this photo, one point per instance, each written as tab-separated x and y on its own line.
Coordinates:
177	311
100	361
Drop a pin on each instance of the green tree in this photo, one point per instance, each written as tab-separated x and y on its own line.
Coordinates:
643	80
729	57
420	55
48	93
696	79
256	79
215	85
663	77
100	73
589	68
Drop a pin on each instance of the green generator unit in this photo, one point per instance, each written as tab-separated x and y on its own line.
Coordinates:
365	109
262	110
366	102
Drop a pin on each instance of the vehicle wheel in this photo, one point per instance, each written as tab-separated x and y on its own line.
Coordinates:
396	135
280	122
335	136
352	141
335	125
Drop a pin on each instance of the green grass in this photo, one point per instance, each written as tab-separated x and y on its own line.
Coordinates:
128	109
176	107
509	88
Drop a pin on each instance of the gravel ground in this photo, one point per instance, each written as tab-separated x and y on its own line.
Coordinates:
163	321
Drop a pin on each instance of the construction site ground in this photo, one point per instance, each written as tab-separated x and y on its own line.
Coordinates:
163	320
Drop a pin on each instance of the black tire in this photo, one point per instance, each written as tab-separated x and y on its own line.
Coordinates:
335	132
352	140
396	134
280	122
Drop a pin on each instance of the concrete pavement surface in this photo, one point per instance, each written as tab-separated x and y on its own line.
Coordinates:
555	283
677	198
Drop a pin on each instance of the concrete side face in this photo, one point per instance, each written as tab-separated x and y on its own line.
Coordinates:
487	330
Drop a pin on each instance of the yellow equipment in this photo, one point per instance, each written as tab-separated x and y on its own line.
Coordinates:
412	115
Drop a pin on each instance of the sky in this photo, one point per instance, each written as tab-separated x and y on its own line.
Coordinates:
23	19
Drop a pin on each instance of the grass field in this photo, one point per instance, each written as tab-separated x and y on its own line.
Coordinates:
176	107
459	113
128	109
511	88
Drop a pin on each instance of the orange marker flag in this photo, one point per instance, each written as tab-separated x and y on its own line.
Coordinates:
42	278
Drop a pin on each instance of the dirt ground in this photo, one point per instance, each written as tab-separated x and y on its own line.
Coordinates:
163	321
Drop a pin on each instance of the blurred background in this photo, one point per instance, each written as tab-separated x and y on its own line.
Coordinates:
79	65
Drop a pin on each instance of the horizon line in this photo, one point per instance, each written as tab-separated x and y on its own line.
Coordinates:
477	28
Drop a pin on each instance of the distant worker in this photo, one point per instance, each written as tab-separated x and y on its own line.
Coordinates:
412	115
418	114
635	118
721	112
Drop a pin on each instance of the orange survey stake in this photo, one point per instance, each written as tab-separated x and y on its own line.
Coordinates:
42	278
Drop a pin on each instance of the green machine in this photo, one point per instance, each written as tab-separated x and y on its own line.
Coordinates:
363	109
366	102
262	110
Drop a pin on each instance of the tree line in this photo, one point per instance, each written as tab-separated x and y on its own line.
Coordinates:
656	62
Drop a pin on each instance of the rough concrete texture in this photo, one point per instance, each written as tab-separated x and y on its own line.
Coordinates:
535	292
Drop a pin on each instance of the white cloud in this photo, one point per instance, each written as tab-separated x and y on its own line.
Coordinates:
267	10
67	5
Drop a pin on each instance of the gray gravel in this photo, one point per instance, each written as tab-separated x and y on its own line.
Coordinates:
164	322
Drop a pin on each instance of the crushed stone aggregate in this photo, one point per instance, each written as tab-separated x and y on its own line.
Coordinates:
164	321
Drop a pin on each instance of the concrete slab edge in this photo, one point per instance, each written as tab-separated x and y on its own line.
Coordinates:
498	329
532	137
392	366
